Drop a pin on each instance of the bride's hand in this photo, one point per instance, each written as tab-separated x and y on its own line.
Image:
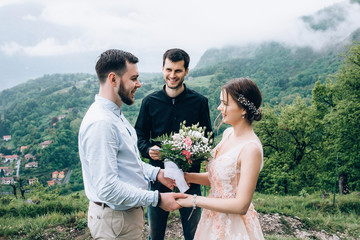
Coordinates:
185	202
187	177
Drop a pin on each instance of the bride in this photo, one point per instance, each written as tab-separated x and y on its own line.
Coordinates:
233	172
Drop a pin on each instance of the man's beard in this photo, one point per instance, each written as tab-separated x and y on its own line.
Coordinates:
124	96
177	86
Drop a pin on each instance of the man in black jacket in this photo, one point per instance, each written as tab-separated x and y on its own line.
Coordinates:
162	112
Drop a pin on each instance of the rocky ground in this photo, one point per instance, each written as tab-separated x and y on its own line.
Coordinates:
272	225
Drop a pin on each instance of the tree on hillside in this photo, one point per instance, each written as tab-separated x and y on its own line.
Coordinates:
14	187
340	97
62	153
302	142
291	136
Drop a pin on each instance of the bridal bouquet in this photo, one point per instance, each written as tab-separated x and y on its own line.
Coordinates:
182	150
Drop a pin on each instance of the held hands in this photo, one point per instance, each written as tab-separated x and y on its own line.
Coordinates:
154	152
185	202
169	201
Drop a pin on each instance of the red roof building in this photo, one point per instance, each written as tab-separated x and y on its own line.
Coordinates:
29	156
55	174
8	172
7	180
7	137
22	148
51	183
45	144
10	158
61	175
31	165
33	180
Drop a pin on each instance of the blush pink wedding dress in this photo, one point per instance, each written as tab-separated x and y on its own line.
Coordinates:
224	173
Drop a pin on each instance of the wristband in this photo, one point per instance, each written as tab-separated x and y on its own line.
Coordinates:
159	199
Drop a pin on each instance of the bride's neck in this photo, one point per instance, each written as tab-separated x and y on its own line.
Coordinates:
242	128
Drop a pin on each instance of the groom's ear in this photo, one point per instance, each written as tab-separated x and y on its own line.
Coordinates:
111	79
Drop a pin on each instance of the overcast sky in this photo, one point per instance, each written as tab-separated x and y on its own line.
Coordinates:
40	36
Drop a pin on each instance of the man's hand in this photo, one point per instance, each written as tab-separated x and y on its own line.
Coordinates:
167	182
168	201
154	152
186	202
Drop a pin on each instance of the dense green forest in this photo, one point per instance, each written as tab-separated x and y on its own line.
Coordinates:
310	129
310	140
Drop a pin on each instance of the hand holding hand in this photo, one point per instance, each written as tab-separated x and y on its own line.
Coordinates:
167	182
168	201
185	202
154	152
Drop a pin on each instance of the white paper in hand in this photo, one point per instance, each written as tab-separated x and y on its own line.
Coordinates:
172	171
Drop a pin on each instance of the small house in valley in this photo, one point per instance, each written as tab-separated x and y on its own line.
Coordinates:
51	183
7	180
31	165
29	156
45	143
7	137
33	180
10	158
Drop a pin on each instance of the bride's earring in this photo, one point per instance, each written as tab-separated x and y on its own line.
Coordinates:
243	116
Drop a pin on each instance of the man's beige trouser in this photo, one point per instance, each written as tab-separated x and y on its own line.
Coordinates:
106	223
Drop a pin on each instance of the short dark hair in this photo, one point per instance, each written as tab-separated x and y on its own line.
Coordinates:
175	55
113	60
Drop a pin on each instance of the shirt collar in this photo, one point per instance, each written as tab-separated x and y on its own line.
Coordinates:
183	93
108	104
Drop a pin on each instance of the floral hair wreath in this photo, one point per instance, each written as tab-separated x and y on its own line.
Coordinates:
243	101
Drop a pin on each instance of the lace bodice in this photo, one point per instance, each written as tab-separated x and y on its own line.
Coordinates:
224	170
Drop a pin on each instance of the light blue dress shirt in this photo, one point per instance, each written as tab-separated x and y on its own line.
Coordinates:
112	169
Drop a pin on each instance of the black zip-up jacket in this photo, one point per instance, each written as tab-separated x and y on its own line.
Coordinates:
160	114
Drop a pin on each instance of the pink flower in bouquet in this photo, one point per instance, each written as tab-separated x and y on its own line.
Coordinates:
186	153
186	147
188	141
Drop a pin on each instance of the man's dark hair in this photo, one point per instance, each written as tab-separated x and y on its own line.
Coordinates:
175	55
113	60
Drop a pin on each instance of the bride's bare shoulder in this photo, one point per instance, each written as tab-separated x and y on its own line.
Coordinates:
227	131
251	152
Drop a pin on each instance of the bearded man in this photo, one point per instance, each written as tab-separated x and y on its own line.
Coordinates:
116	181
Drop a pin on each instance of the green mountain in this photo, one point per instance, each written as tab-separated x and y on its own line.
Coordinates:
283	71
50	108
280	71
